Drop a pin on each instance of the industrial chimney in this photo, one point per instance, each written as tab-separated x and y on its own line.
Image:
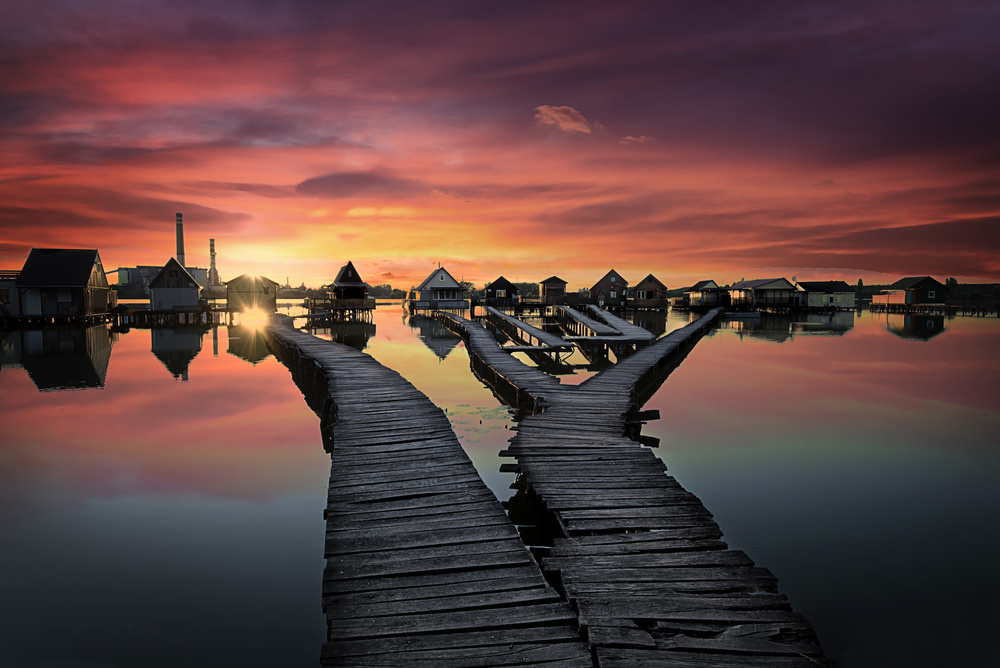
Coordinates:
213	273
180	238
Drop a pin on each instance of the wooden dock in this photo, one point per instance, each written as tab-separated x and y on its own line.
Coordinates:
533	338
580	324
623	326
640	558
423	566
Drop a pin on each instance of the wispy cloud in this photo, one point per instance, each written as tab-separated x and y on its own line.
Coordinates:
566	119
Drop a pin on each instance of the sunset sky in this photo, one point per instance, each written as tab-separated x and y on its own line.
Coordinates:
721	140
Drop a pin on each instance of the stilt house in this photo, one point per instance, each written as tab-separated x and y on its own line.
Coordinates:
912	291
553	290
827	295
762	293
649	293
440	290
174	289
64	282
252	292
610	291
501	293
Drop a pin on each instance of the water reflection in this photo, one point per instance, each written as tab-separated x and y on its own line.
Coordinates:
434	335
248	344
60	359
783	327
914	326
353	334
175	347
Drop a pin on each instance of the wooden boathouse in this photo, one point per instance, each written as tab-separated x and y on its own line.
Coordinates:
63	285
346	299
440	290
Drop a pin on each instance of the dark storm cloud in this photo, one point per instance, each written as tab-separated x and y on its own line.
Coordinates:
341	185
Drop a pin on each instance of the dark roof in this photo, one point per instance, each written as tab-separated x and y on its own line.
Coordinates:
250	281
756	283
610	273
348	277
58	268
701	285
172	262
503	284
825	286
651	279
911	282
553	279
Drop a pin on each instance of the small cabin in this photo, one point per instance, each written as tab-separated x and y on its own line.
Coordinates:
610	291
705	295
174	289
553	290
826	295
247	292
912	291
501	292
64	282
649	293
348	285
762	293
440	290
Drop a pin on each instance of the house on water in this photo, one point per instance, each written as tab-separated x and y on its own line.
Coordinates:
174	289
501	293
64	283
704	295
553	291
349	286
762	293
247	292
826	295
10	305
440	290
649	293
609	292
912	294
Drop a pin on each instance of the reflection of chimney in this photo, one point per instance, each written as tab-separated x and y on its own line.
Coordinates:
213	273
180	238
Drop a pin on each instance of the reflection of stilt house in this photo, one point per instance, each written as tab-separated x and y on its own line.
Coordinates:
435	336
248	344
66	359
440	290
553	291
174	289
649	293
915	326
176	348
64	283
501	293
609	292
252	292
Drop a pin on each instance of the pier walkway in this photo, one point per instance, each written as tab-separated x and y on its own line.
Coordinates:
640	558
582	325
536	339
627	329
423	565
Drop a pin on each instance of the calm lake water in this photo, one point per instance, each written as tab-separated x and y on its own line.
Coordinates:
167	510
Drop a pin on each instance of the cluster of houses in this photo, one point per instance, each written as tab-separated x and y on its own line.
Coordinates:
71	284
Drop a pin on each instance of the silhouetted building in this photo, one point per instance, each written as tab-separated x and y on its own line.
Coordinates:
911	292
501	292
174	289
10	304
704	295
63	282
610	291
252	292
762	293
553	290
348	284
649	293
826	295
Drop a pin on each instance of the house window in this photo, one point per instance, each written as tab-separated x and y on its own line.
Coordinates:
612	279
642	294
613	294
930	294
501	294
441	277
5	296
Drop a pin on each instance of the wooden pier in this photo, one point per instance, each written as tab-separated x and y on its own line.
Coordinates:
533	338
640	558
581	325
423	566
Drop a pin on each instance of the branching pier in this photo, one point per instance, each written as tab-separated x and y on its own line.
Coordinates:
640	558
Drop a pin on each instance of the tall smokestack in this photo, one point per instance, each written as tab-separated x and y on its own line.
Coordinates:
213	273
180	238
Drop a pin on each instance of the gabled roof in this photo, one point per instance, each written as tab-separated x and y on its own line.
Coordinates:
58	268
249	280
503	284
553	279
702	285
172	263
348	277
651	279
825	286
440	278
911	282
762	283
608	275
